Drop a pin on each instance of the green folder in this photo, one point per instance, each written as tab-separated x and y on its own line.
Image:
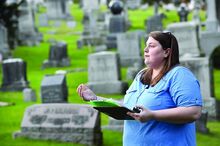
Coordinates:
112	109
104	103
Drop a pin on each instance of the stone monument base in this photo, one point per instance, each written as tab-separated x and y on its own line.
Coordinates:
56	63
210	105
108	87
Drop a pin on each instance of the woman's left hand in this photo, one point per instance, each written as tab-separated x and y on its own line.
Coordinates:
144	115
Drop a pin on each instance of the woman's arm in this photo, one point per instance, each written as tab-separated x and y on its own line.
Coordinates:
178	115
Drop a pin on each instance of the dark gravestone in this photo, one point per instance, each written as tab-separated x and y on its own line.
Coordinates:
57	55
116	7
154	23
202	122
14	75
183	13
54	89
76	123
117	24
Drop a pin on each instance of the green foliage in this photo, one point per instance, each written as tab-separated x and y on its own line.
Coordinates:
11	116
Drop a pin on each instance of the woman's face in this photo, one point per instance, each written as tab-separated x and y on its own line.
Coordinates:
154	55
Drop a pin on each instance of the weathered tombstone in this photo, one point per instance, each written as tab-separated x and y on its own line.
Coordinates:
54	89
14	75
75	123
4	48
133	4
200	66
117	23
104	73
212	22
187	37
88	5
58	9
129	49
29	95
58	55
183	12
43	20
201	123
27	32
154	23
115	125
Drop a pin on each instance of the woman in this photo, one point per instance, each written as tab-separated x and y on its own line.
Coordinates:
167	94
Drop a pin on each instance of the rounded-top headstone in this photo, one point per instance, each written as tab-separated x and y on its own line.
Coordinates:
116	6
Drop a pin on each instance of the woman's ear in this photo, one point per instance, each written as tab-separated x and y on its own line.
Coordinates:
167	52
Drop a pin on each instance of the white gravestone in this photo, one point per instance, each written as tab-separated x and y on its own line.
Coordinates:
104	73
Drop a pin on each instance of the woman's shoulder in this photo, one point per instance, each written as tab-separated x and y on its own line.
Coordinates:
180	71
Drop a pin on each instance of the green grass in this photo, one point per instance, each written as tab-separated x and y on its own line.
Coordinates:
11	116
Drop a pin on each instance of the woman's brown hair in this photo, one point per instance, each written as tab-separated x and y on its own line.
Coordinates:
167	40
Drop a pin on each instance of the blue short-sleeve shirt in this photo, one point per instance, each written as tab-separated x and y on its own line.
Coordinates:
177	88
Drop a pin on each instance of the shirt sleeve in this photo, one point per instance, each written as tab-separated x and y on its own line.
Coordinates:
185	89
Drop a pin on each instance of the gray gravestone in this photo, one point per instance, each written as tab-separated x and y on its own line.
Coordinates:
43	20
14	75
58	9
104	73
88	5
54	89
200	66
154	23
129	49
117	24
28	34
183	12
29	95
201	123
187	37
4	48
62	122
58	55
133	4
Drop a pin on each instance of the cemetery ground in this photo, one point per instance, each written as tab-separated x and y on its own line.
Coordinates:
11	116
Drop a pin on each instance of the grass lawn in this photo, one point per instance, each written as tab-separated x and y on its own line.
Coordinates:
11	116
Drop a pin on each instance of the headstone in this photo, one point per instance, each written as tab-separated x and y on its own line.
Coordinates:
29	95
201	123
14	75
212	22
200	66
117	23
187	37
4	48
154	23
43	20
133	4
89	5
54	89
115	125
129	49
104	73
58	56
183	12
75	123
58	9
28	34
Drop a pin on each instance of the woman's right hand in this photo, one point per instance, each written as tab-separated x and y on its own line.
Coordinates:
86	93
